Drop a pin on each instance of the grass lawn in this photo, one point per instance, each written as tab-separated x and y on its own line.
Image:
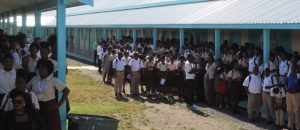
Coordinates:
90	97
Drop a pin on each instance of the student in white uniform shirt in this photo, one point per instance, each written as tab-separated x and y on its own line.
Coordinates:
100	54
7	76
136	65
284	68
127	70
21	80
271	65
45	51
32	60
253	62
118	68
209	83
190	70
253	87
269	81
44	86
13	49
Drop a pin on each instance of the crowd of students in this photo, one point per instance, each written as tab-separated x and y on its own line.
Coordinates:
196	75
29	84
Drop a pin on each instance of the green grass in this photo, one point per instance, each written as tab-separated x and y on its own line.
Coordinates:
90	97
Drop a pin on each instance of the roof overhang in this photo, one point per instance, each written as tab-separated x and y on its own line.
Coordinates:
8	6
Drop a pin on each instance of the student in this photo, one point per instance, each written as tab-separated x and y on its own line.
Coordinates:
106	64
253	87
136	66
279	93
7	76
269	81
149	75
21	80
234	80
127	70
171	75
13	49
272	66
209	82
32	59
112	57
162	68
45	51
23	116
189	69
44	86
100	54
221	84
180	76
95	49
284	68
292	98
118	68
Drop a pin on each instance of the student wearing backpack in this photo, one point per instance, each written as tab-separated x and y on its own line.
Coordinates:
292	98
118	68
269	81
253	87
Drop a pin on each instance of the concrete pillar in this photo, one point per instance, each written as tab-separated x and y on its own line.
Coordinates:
37	18
217	43
14	29
266	45
181	40
61	50
24	17
134	37
154	36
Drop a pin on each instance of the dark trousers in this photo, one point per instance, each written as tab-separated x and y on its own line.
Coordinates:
95	57
189	91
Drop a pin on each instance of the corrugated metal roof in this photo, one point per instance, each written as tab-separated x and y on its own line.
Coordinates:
221	12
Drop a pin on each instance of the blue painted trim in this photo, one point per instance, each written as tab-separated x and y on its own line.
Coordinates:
168	3
266	45
217	43
61	53
198	26
87	2
181	40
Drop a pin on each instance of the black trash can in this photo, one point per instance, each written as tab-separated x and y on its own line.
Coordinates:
91	122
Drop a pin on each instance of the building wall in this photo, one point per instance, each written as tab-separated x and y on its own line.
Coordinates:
296	40
244	37
210	35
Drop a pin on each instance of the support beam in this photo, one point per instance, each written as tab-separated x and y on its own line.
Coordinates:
217	43
134	37
76	42
37	18
8	24
119	35
266	45
181	40
104	34
154	36
61	52
14	30
24	17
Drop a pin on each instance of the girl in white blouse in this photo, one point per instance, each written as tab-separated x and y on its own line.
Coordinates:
44	86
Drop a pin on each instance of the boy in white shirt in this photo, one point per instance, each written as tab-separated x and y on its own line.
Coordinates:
253	87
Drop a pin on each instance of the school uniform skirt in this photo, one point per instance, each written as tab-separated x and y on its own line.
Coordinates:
171	77
180	85
49	112
235	90
148	77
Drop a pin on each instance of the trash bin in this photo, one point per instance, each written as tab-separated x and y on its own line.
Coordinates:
91	122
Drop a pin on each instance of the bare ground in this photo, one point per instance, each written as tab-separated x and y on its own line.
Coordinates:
161	114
